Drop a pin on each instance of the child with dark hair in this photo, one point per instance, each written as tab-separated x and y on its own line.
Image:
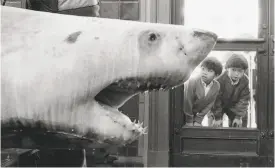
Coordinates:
200	93
234	95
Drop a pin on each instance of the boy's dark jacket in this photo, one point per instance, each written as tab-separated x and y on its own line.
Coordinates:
234	98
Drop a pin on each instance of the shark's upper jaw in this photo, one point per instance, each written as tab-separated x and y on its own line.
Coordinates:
118	92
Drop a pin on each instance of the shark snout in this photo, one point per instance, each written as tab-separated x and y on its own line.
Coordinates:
205	35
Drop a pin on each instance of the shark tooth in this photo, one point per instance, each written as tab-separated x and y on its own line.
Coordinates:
145	130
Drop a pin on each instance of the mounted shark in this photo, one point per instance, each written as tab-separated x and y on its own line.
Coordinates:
68	75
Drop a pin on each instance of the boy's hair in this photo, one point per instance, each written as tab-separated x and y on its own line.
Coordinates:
212	63
237	61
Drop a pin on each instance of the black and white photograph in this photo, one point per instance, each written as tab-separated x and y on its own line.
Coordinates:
137	83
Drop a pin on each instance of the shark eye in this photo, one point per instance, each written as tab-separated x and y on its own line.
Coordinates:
150	40
152	36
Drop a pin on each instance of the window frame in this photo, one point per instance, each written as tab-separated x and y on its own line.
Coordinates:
261	46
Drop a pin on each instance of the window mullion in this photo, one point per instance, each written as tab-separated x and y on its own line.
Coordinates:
240	44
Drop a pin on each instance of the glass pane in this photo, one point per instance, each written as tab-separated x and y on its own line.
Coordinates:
120	9
250	119
227	18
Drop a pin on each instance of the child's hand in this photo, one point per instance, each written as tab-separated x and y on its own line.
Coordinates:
217	123
237	122
196	124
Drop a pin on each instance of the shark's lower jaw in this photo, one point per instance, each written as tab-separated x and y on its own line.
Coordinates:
97	119
118	127
93	122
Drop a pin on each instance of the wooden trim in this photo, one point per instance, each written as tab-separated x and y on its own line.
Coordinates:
218	160
142	10
240	154
163	11
271	27
262	91
270	142
23	4
219	133
158	142
219	141
176	12
241	44
241	40
271	97
143	103
126	161
148	11
263	28
146	123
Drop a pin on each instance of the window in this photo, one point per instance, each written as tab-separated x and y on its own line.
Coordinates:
227	18
251	73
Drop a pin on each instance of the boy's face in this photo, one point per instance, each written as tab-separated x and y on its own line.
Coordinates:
235	73
207	75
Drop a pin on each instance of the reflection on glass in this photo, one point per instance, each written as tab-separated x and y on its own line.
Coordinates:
250	120
227	18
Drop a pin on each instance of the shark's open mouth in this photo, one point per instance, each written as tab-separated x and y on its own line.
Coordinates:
117	93
112	97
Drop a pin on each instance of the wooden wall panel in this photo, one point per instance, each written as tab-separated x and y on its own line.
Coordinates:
217	146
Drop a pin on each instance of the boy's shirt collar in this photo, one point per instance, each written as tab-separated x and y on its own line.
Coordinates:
206	87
